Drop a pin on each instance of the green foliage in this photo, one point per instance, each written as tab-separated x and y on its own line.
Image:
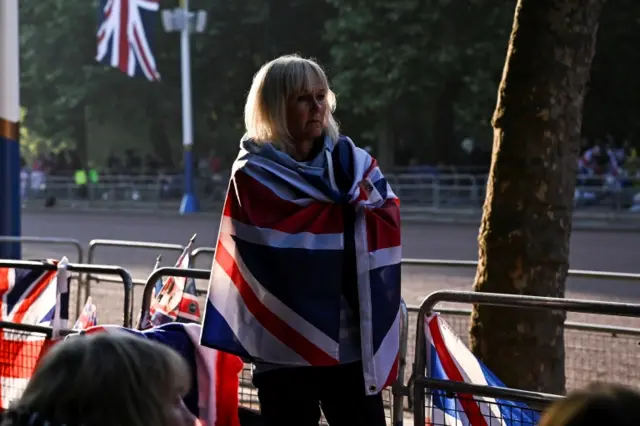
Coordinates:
426	71
400	60
611	106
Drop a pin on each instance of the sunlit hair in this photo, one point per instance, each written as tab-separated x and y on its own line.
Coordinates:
106	379
278	81
599	404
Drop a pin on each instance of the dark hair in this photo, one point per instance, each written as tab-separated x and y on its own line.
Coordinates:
105	379
24	418
599	404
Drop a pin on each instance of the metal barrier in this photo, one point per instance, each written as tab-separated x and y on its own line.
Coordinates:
84	268
592	351
461	193
200	251
18	359
51	241
503	399
94	244
398	389
506	300
472	264
573	273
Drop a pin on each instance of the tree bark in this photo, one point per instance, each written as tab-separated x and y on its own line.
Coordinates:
526	224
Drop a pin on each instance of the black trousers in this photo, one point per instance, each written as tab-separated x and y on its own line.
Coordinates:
293	396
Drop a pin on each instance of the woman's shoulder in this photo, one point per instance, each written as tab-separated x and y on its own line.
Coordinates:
345	143
344	140
348	141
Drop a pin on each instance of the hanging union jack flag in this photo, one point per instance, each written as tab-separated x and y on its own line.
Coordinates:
125	34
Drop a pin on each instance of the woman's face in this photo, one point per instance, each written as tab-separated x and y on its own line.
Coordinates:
306	114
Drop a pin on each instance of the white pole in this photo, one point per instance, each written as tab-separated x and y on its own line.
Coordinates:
10	204
9	62
189	201
185	71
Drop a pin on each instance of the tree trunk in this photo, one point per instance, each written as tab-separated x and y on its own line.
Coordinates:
526	225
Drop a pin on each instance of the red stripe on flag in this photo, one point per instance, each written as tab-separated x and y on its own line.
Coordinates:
269	320
393	373
227	381
4	286
383	226
247	198
470	407
108	10
123	37
19	358
4	281
189	303
145	60
372	166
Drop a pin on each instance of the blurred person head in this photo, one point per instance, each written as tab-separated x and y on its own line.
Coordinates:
599	404
290	104
106	379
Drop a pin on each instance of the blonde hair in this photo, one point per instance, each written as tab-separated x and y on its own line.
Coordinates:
598	404
265	112
106	379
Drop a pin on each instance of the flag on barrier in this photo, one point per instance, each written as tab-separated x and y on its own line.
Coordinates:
449	359
88	317
213	396
26	297
285	227
175	300
30	296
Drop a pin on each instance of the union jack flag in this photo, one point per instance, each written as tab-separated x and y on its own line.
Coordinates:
175	300
88	317
125	36
278	272
449	359
26	297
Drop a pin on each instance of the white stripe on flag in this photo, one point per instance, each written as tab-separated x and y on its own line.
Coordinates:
279	239
385	257
226	299
285	313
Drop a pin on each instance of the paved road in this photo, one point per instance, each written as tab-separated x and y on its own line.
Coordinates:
589	355
610	251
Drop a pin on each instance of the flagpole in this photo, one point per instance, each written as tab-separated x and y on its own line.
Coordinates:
10	203
189	200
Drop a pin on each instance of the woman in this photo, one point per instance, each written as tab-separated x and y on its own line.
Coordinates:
306	277
599	404
105	379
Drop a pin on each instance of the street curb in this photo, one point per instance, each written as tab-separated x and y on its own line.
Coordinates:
445	218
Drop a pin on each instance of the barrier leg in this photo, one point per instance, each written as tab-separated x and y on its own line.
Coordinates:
398	390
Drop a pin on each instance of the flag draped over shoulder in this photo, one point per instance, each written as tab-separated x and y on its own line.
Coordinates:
213	397
277	276
449	359
26	297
